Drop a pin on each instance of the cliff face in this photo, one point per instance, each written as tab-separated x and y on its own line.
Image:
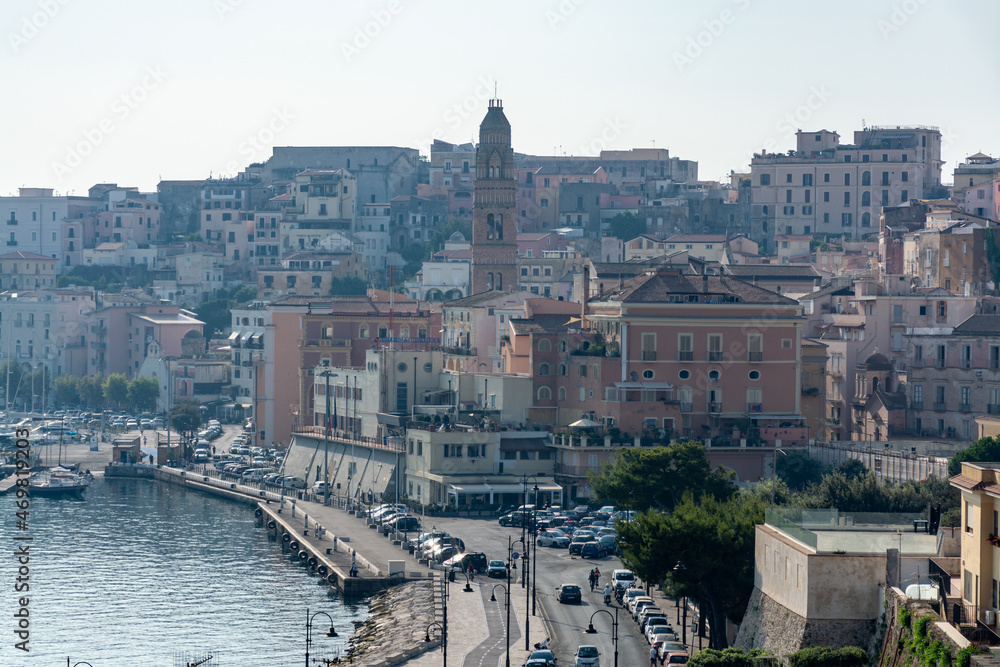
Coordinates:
773	627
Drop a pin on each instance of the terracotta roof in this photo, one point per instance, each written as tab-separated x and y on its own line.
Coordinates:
541	324
23	254
481	298
656	288
697	238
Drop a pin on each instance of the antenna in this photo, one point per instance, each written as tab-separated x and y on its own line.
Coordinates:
494	88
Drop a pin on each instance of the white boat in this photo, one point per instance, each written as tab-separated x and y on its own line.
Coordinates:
57	482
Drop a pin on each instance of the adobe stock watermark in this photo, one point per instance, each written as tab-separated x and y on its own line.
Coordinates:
256	145
121	108
790	122
611	131
33	24
703	40
225	7
562	13
900	15
365	34
468	108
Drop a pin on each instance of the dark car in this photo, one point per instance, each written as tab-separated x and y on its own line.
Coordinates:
544	656
496	569
576	544
461	562
405	523
516	519
569	593
591	549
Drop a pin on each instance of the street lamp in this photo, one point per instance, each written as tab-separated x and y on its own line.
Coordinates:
614	629
309	623
77	664
444	639
524	573
468	583
534	552
493	598
326	443
679	568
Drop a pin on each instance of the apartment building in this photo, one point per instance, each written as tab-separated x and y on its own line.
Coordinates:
27	270
309	273
38	221
120	336
372	231
977	186
46	327
131	219
954	375
825	187
246	345
951	255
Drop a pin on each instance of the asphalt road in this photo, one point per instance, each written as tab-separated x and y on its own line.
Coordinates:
565	623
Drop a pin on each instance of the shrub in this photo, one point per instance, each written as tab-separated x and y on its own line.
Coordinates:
824	656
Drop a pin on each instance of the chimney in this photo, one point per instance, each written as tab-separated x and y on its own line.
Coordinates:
704	282
621	282
586	296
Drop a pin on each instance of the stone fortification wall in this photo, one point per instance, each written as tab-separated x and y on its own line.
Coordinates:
775	628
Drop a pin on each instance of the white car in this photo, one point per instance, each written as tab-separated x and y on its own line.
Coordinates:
553	538
320	487
587	656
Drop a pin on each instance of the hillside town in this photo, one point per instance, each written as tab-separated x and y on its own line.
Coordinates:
452	325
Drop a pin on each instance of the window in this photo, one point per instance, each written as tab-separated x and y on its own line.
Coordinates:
847	178
807	180
847	199
885	178
562	393
544	394
755	347
905	177
866	178
969	522
788	196
715	347
685	347
543	369
826	197
544	345
647	374
649	347
401	397
765	179
826	178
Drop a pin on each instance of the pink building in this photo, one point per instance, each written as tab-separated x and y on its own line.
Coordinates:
535	244
132	219
120	335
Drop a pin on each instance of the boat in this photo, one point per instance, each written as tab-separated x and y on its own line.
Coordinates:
57	482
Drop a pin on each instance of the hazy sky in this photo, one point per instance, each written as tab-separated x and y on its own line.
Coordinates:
131	92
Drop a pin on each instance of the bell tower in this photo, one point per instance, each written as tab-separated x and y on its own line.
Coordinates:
494	206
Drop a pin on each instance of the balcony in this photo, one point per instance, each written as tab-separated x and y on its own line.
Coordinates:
753	407
831	421
11	242
993	409
99	345
685	407
649	355
313	342
755	356
247	363
685	355
965	407
460	351
940	406
715	407
99	329
916	405
715	356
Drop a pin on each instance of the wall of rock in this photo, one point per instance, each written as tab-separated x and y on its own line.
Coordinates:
395	630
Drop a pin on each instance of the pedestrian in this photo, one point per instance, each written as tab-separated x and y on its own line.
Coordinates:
472	572
354	569
652	656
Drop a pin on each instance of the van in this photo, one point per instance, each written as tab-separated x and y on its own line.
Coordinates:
622	579
201	455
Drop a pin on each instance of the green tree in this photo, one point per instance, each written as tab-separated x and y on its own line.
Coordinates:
91	390
348	286
730	657
825	656
852	469
66	390
116	389
143	391
798	470
185	418
440	236
645	477
980	451
626	226
703	549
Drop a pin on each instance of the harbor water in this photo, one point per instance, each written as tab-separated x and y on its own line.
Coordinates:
143	573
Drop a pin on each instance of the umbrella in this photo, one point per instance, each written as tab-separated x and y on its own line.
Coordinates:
584	423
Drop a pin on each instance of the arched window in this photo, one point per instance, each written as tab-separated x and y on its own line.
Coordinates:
499	281
489	281
562	369
866	198
499	226
562	393
866	178
544	345
866	219
404	331
489	226
874	385
544	394
562	346
543	369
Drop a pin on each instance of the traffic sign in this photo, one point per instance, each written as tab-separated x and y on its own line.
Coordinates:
515	555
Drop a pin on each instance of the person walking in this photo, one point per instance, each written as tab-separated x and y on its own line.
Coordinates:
472	572
652	656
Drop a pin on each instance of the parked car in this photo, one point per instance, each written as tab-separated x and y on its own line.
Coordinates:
516	519
587	656
405	523
553	538
609	544
418	541
569	594
461	562
547	657
320	487
591	549
576	544
622	578
648	613
293	483
496	569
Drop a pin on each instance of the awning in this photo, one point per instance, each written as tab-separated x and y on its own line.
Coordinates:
390	420
469	488
650	386
255	338
233	337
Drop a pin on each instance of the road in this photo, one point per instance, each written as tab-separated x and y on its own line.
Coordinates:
565	623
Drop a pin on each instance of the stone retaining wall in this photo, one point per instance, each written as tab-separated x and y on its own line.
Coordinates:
395	630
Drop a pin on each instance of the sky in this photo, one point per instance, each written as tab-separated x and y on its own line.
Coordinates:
102	91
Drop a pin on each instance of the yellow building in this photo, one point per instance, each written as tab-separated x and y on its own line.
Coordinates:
980	565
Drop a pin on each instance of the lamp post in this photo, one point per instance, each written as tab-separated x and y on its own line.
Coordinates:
326	443
493	598
77	664
309	623
534	554
614	629
524	572
444	639
679	568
